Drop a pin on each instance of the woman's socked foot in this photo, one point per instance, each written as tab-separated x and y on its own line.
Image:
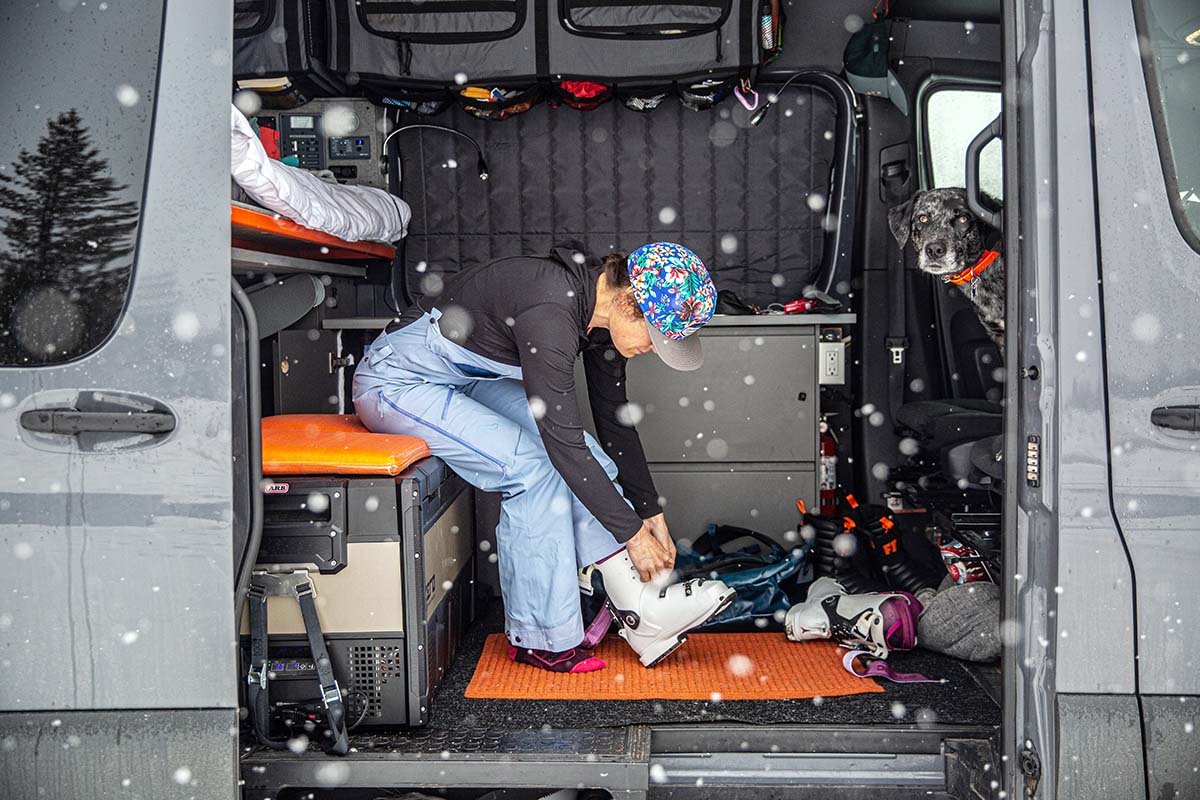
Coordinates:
573	660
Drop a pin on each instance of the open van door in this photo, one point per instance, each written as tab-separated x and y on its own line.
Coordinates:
116	616
1103	435
1147	145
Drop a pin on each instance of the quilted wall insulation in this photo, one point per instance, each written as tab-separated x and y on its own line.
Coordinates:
749	200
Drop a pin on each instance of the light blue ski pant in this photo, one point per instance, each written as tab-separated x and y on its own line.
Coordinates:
474	415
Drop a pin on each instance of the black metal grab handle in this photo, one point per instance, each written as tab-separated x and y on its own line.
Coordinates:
974	150
1177	418
70	422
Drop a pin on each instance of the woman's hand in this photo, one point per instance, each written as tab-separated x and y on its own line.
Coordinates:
658	527
649	557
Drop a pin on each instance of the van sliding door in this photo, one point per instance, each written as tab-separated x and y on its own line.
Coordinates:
116	623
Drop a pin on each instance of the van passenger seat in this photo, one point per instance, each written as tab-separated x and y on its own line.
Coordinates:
941	424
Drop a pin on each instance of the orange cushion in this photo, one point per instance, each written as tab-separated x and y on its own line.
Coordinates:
334	444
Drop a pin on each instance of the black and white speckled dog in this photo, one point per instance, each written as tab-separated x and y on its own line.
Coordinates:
958	247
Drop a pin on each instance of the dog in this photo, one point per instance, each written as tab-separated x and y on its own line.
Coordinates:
954	244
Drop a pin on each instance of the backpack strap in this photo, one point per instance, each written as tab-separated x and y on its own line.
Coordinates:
713	541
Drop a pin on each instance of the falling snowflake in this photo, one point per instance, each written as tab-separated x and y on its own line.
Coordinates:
127	95
248	102
456	323
739	665
630	414
717	448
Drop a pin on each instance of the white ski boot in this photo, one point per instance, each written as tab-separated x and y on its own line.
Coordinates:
876	622
653	618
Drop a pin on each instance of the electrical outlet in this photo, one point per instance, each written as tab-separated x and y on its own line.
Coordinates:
832	363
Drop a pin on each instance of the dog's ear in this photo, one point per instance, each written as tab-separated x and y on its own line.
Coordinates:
900	220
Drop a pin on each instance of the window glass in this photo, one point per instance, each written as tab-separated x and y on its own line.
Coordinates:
77	95
953	117
1170	42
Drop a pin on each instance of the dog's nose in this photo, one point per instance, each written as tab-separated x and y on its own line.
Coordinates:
935	250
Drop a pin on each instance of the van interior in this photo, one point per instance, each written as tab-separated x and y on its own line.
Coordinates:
862	380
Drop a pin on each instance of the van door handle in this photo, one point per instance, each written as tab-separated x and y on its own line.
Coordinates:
1177	418
69	422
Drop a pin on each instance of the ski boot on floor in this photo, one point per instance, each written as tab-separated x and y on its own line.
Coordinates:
877	622
655	619
900	569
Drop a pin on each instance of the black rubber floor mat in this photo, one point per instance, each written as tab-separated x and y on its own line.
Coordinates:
960	700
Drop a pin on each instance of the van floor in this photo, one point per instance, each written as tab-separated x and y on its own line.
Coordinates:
969	696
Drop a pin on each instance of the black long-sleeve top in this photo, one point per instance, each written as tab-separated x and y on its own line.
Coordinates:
533	312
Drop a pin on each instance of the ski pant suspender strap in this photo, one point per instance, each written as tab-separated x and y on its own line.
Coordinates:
297	585
897	339
331	694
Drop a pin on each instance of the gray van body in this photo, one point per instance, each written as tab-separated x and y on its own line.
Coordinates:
1102	683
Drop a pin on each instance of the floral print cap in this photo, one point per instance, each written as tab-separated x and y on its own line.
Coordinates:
676	295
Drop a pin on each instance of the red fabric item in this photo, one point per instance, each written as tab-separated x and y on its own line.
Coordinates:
584	89
270	141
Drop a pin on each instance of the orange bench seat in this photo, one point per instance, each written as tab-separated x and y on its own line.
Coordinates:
334	444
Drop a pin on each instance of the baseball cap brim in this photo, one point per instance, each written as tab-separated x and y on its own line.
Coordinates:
681	354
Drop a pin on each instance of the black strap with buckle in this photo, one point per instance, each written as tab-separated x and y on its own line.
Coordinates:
258	694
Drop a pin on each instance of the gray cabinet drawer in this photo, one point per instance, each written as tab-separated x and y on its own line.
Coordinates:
756	496
755	399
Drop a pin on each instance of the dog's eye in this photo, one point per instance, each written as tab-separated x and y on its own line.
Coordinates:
922	219
964	219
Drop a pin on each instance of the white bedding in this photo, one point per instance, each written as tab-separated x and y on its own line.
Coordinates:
353	213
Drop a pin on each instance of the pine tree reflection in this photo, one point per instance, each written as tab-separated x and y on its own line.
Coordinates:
65	255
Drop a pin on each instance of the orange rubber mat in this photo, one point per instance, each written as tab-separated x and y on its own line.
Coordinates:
737	666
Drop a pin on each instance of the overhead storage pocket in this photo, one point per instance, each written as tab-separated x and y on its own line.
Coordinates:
651	20
443	21
283	38
393	43
252	17
622	39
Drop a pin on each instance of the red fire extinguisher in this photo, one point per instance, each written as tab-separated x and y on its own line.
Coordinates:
828	493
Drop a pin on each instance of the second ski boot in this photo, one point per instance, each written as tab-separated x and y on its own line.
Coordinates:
877	622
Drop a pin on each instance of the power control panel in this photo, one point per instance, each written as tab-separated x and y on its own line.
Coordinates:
349	147
342	135
300	136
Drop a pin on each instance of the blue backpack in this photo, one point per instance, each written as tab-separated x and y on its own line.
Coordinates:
760	572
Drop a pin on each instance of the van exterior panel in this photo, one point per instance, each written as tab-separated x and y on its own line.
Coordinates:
181	754
1100	749
130	610
1148	275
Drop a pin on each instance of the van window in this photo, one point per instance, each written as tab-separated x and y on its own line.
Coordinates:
953	117
1169	35
78	79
